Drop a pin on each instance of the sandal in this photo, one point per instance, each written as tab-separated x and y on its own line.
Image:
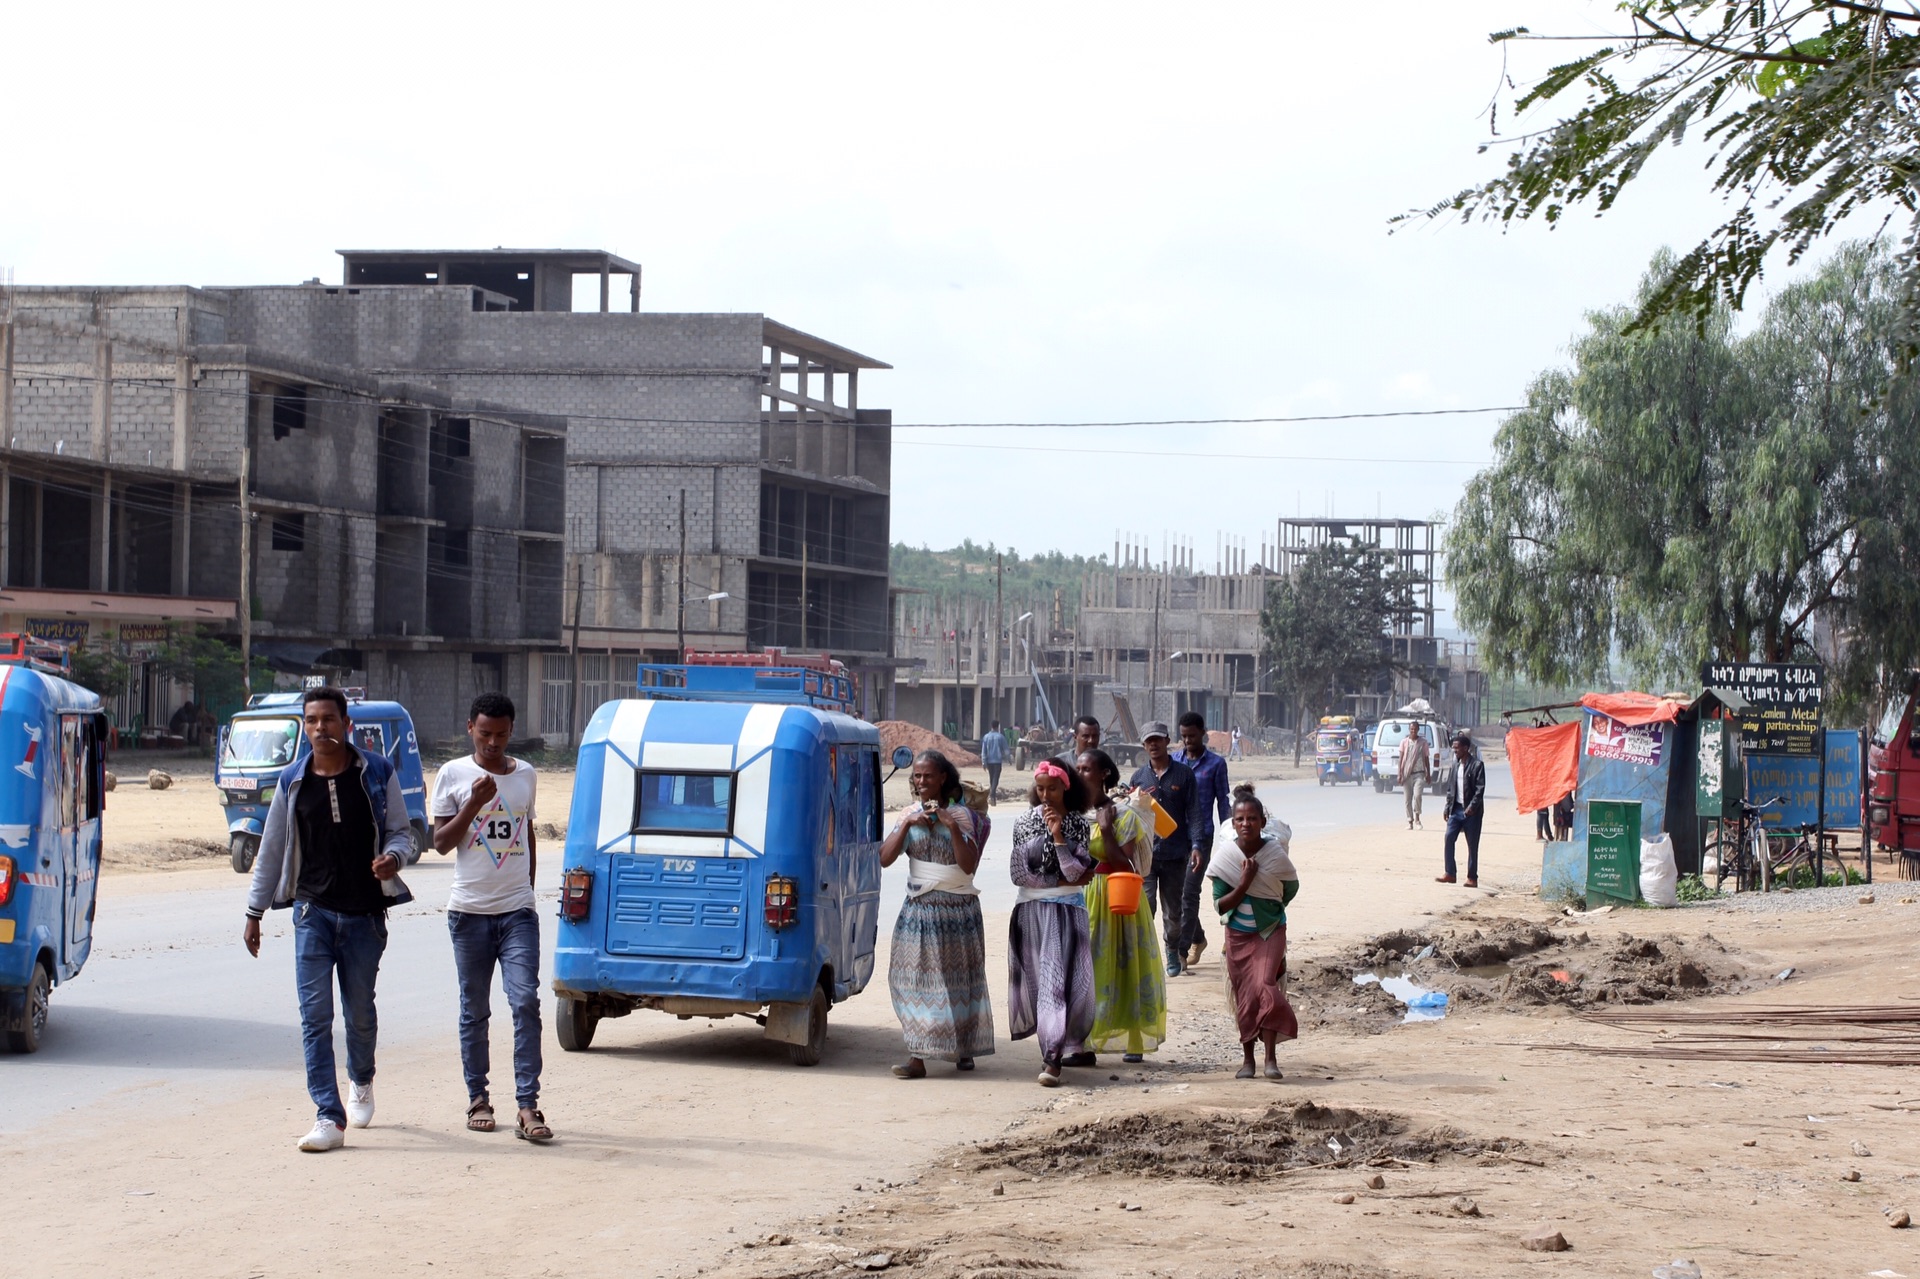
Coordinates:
912	1069
1245	1072
480	1115
535	1131
1273	1072
965	1063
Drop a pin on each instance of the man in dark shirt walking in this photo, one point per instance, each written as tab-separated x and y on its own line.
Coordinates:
336	834
1171	784
1466	807
1212	794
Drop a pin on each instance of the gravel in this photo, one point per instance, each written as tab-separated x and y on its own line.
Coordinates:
1779	903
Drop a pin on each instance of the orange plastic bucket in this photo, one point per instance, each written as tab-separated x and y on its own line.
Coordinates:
1123	892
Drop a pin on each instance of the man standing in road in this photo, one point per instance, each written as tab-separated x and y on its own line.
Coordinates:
1172	786
1212	794
483	806
993	753
1466	807
1416	768
336	834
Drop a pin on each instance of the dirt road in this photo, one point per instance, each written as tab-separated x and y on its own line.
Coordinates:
681	1143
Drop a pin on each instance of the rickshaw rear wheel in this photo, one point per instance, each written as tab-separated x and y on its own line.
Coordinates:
574	1023
809	1053
27	1038
241	850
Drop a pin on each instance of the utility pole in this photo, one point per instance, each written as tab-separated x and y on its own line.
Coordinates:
999	629
803	588
573	658
246	566
1153	659
680	627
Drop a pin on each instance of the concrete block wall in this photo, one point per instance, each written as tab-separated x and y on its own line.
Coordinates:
332	461
496	469
438	688
217	420
215	565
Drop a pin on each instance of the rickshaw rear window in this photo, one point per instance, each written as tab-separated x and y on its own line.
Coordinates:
261	743
683	803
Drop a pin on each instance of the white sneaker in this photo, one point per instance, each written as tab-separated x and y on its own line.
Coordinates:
326	1135
360	1105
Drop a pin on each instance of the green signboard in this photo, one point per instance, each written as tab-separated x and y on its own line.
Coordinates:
1613	849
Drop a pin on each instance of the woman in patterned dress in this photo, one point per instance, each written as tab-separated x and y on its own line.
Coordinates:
1129	983
938	968
1049	956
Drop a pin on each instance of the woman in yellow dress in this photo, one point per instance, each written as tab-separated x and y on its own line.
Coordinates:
1129	981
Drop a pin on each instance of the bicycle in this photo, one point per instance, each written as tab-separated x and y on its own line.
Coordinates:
1746	855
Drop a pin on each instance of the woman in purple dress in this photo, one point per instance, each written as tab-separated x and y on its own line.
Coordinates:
1049	954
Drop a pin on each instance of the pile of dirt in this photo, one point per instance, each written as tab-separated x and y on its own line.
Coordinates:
895	733
160	854
1514	962
1231	1146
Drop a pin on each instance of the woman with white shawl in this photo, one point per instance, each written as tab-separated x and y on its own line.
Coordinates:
1253	879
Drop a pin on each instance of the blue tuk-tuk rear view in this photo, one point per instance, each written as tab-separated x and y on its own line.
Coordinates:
723	853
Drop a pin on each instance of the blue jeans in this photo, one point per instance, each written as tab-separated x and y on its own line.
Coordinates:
1469	825
513	941
329	946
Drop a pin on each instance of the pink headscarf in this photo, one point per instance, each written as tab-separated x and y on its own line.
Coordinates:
1047	768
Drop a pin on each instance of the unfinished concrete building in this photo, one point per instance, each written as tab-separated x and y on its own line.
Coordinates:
455	482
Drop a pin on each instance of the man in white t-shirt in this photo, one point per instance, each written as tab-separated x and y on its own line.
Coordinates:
483	807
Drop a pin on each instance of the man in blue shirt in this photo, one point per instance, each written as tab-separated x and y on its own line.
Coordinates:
1212	794
993	753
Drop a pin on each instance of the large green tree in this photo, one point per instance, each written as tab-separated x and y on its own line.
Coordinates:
1323	629
1686	492
1810	110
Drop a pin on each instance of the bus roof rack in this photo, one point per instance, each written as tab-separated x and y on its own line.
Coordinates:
795	685
22	649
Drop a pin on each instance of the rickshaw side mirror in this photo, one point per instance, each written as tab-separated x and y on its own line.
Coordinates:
902	758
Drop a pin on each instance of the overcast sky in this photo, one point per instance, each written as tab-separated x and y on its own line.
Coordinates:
1036	213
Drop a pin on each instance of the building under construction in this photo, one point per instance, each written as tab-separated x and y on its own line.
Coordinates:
1165	637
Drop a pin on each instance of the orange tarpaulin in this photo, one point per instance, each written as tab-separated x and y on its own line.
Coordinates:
1545	763
1634	709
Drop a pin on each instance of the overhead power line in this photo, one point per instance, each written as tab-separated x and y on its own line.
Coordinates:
163	385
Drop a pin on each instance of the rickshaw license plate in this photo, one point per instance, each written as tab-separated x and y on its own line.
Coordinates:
240	783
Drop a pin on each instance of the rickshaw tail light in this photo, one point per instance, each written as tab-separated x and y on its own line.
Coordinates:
6	880
783	901
576	894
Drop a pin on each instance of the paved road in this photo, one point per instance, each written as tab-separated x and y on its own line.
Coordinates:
171	1007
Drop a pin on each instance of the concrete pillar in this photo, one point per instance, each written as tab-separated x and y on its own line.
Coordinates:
103	537
183	539
102	443
182	408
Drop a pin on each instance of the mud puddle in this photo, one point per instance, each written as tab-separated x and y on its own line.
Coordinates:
1421	1003
1231	1147
1512	962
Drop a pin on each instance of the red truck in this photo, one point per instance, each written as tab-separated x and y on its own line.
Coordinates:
1893	775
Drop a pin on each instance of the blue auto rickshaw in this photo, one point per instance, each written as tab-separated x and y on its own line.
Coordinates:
53	738
259	742
723	854
1336	749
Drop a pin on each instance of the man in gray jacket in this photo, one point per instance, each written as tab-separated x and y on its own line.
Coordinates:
336	835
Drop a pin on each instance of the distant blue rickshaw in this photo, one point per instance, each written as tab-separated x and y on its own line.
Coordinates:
723	854
258	743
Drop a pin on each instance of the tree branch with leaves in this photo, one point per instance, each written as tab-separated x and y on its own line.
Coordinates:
1812	108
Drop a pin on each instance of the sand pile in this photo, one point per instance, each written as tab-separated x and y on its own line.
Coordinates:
895	733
